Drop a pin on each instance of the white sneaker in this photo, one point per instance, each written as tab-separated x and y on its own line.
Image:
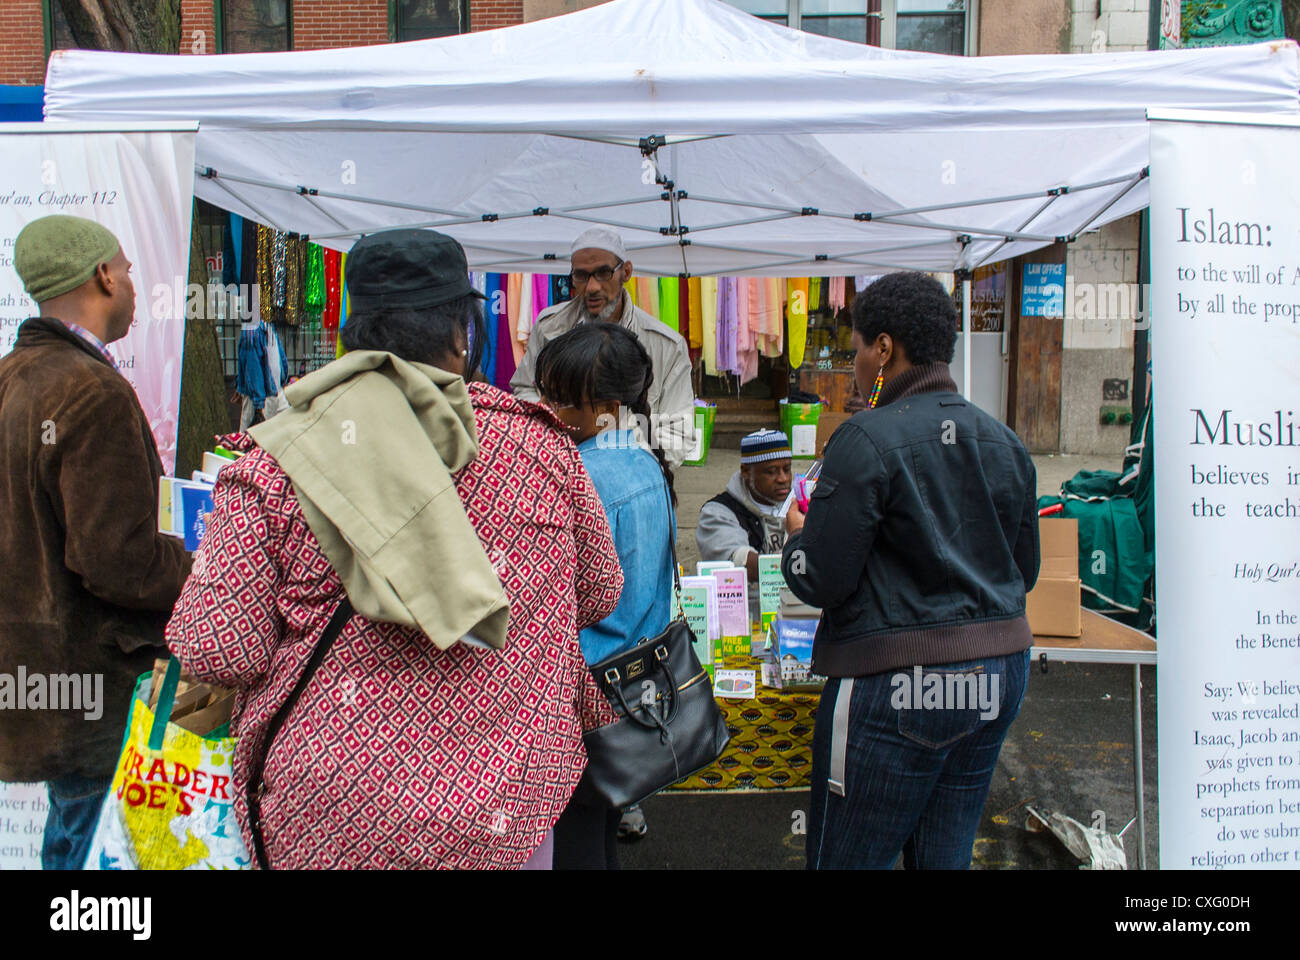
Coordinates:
632	827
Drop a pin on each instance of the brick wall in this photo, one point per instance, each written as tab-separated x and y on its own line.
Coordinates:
490	14
1122	26
339	23
22	42
198	27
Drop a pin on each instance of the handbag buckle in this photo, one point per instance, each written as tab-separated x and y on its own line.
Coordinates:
611	675
661	652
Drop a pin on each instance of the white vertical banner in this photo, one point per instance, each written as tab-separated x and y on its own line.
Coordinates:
1225	346
138	182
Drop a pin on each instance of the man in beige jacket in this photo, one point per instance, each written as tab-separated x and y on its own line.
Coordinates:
600	268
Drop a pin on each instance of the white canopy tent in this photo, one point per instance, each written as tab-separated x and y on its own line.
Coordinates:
719	143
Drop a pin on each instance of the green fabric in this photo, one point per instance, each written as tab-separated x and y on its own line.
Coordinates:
668	301
1114	563
54	255
370	443
1116	514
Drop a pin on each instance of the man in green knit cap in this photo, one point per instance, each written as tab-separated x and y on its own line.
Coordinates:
89	580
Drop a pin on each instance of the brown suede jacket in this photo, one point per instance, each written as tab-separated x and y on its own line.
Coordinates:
89	583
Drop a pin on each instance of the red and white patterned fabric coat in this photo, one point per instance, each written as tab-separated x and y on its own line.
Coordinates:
398	755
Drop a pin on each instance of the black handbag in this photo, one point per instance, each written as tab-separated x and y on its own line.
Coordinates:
669	726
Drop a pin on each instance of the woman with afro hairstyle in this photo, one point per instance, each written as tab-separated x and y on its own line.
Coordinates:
919	544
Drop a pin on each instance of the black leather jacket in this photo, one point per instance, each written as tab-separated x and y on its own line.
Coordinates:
921	536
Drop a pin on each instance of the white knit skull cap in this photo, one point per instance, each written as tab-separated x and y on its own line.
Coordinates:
600	238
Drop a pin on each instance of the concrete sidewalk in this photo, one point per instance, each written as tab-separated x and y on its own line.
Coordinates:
1070	749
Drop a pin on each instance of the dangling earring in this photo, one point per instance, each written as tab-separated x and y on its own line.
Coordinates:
875	390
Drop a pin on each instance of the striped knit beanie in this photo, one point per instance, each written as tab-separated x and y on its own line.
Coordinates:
763	445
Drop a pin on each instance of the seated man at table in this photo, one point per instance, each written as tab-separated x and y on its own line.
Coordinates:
741	522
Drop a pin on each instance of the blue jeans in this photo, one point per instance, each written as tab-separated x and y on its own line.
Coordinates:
75	803
911	771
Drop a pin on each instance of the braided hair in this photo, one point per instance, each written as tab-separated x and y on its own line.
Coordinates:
599	362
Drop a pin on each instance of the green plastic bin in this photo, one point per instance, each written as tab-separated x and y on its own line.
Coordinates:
704	415
803	443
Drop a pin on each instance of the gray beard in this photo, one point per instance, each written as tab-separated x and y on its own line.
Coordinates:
586	316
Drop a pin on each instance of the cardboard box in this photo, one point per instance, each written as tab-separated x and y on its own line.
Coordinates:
826	425
1053	605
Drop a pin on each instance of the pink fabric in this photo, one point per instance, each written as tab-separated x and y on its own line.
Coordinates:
836	293
771	336
399	755
541	293
749	306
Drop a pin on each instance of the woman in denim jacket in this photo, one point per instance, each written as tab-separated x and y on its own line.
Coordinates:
597	378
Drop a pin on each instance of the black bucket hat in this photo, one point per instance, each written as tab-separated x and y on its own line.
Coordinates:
406	269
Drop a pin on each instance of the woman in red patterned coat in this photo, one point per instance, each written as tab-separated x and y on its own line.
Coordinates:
418	742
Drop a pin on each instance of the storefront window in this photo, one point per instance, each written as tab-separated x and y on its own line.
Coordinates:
255	26
424	19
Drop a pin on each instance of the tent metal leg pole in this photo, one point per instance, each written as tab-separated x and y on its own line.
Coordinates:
965	340
1137	766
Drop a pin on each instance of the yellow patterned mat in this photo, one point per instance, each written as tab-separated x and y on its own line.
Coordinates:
771	739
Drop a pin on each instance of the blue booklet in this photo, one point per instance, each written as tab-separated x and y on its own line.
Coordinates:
196	504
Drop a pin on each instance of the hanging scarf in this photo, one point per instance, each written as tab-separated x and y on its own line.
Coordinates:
669	300
726	358
491	306
797	298
295	270
647	296
507	346
541	294
709	323
836	295
265	273
314	284
695	313
333	282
